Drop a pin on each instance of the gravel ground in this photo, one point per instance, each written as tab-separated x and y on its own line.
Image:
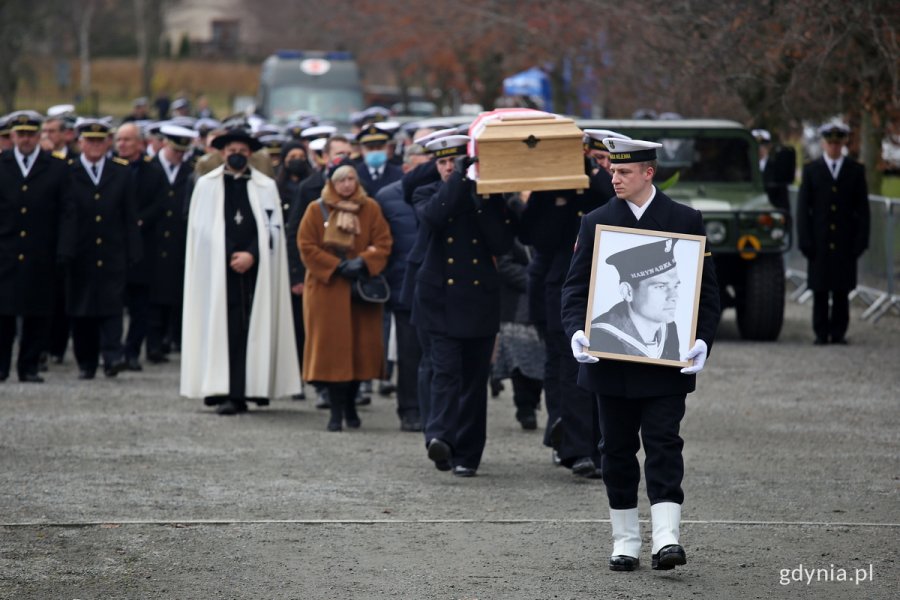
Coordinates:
119	489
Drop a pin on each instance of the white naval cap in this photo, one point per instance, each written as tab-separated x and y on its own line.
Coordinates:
834	129
593	138
318	144
179	136
448	145
761	135
630	151
60	110
319	131
435	135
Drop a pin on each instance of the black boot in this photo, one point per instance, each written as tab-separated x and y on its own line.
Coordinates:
337	409
350	415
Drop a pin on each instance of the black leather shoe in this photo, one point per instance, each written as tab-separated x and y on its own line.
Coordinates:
4	375
113	369
528	422
584	467
820	341
461	471
133	364
621	562
228	407
213	400
668	557
440	453
353	422
31	378
410	424
386	388
334	425
157	358
85	374
301	396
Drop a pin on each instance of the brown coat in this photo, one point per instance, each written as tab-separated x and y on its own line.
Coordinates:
343	338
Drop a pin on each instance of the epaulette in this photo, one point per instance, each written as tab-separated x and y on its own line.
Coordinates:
71	161
148	158
58	154
120	161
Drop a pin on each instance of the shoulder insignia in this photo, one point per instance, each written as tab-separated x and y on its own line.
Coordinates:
148	158
120	161
58	154
71	161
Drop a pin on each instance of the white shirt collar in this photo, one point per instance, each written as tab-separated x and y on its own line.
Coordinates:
87	167
170	169
31	159
834	165
640	210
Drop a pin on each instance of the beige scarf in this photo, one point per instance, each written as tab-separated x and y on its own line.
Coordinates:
343	223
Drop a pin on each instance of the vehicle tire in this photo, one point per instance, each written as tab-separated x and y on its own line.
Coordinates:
760	305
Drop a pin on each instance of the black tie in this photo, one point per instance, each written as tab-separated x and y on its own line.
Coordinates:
94	169
25	162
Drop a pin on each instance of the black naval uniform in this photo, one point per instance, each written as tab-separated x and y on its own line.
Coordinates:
165	257
147	183
101	238
637	398
778	174
550	224
30	215
457	302
389	174
832	233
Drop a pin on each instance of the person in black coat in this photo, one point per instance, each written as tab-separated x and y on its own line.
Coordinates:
832	232
777	164
167	235
550	224
100	238
31	190
637	401
457	301
401	218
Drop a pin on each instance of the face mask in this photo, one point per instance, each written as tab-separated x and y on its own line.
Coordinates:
297	167
376	159
237	162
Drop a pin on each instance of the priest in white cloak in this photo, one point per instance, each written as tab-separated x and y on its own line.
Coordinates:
237	335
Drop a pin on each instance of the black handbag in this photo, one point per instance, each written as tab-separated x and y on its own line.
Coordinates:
371	288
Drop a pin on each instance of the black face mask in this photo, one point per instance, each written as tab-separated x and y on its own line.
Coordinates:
297	167
237	162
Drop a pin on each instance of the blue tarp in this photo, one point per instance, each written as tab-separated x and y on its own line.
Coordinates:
533	83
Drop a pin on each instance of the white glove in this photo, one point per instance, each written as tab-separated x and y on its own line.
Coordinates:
697	356
579	344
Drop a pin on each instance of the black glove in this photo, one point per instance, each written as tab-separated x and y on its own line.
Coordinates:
353	268
463	163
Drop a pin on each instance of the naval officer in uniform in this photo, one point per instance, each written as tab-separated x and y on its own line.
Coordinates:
457	302
636	401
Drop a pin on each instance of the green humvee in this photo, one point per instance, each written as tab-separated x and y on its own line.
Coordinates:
713	166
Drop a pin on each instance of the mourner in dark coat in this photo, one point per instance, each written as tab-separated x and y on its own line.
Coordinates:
31	187
550	224
777	165
832	232
457	302
166	237
639	402
99	239
147	182
375	172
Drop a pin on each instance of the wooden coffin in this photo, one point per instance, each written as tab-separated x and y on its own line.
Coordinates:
517	155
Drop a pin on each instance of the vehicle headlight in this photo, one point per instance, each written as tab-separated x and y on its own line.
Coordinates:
716	232
777	233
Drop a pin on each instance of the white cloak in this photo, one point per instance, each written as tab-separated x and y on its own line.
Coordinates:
272	363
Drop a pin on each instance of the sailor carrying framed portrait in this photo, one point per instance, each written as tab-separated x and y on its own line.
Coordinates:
644	295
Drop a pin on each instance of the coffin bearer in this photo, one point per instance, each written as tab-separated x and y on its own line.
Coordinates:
101	237
457	301
237	333
32	183
639	402
832	231
596	151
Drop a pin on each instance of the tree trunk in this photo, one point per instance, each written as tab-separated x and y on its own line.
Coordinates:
142	30
870	136
84	47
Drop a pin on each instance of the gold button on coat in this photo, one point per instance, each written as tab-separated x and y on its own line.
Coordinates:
24	210
99	263
450	240
99	241
24	188
21	257
96	196
450	282
98	218
23	233
450	261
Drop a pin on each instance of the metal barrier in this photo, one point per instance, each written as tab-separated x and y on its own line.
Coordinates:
877	274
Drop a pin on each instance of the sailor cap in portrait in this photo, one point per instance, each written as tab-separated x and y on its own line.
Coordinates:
762	136
593	138
179	137
449	145
93	128
630	151
834	130
24	120
318	131
639	263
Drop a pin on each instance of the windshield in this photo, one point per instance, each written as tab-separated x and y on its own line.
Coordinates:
706	160
328	104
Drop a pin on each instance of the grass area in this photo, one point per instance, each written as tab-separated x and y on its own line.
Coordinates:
890	186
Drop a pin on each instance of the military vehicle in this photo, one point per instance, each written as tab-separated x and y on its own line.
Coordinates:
713	166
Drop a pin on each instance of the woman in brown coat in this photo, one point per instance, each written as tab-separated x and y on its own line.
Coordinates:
342	236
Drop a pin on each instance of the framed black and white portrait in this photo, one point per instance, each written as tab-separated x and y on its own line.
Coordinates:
644	295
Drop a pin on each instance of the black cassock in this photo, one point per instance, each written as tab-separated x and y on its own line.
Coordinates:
240	236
